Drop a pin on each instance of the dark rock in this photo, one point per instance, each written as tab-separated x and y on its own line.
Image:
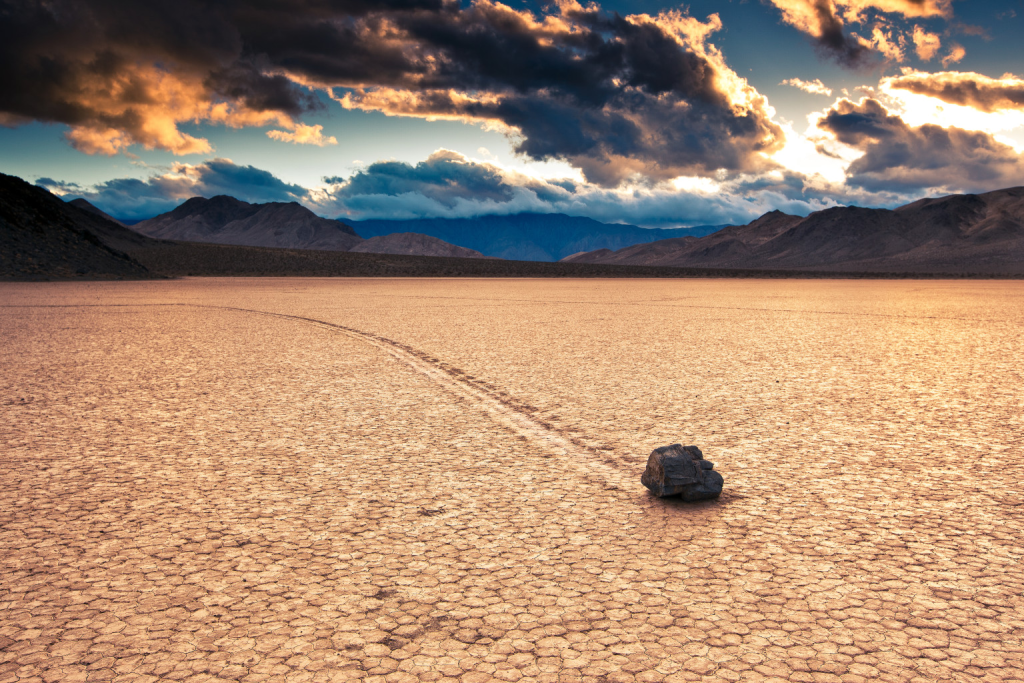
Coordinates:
681	471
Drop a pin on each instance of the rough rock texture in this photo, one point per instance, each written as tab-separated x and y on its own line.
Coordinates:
681	471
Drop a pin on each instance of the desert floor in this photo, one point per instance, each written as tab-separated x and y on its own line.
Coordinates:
398	480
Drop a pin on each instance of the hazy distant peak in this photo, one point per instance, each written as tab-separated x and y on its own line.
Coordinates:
528	236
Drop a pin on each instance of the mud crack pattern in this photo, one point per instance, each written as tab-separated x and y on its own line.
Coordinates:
439	481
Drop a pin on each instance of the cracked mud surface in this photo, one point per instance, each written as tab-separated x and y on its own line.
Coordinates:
439	480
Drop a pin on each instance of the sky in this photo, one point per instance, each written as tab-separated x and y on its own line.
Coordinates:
646	112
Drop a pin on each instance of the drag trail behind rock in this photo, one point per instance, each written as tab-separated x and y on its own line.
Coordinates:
439	480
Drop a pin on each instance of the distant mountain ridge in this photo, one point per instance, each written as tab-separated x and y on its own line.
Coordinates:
957	233
528	236
226	220
43	237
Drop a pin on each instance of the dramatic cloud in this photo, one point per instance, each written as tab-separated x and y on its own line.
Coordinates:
826	21
901	157
926	44
133	198
956	53
449	185
615	96
444	177
815	87
820	20
304	135
967	89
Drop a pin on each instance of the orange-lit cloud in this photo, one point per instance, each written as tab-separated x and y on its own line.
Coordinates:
668	106
614	96
304	135
964	88
887	43
145	105
806	14
926	44
956	53
854	10
826	21
815	87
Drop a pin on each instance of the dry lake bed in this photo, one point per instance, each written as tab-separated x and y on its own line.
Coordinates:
399	480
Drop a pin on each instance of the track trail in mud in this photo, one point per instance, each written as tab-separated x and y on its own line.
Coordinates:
190	493
502	408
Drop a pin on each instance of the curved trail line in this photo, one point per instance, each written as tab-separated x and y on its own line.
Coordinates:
501	407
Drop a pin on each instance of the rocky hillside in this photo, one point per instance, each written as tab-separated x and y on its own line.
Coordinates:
413	244
226	220
954	234
42	237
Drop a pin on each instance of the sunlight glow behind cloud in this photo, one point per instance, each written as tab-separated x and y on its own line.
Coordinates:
599	110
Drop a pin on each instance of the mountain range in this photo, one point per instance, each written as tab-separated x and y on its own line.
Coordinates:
226	220
981	233
42	236
528	236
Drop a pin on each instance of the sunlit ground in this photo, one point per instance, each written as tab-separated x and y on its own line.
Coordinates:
406	480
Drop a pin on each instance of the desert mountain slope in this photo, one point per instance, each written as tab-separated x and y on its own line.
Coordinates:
226	220
958	233
84	205
413	244
528	236
43	237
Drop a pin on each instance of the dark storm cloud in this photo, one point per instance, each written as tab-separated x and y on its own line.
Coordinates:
833	41
448	185
247	84
445	185
828	22
222	176
59	186
444	177
900	157
134	198
613	95
967	89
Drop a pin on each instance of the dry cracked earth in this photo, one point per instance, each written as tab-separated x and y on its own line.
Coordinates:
438	480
